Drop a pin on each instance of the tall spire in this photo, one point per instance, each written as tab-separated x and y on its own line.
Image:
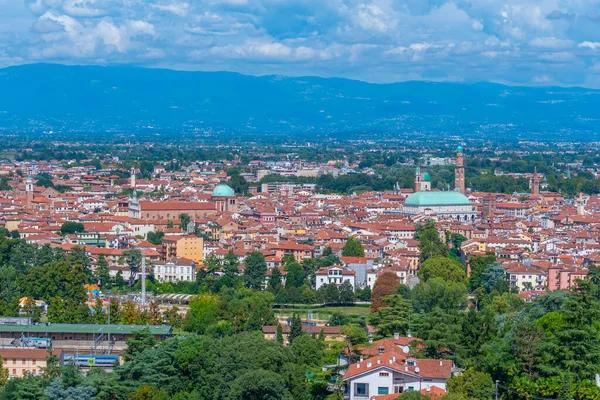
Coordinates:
132	178
459	172
535	183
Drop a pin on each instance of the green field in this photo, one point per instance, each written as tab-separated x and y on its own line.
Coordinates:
322	312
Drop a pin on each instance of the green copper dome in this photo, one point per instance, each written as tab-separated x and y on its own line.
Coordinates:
425	199
222	190
459	149
426	177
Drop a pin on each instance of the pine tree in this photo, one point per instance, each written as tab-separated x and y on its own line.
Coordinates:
3	374
296	328
255	271
279	335
102	273
275	280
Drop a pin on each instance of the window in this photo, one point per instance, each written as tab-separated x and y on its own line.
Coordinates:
383	390
14	360
34	371
384	374
361	389
14	371
411	388
33	362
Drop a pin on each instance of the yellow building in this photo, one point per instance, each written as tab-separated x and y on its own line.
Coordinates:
18	360
190	247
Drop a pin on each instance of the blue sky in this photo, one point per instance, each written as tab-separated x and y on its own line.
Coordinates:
531	42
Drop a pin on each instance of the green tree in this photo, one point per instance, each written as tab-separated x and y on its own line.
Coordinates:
443	268
430	244
394	318
275	280
295	275
255	271
202	313
440	331
142	340
184	220
155	237
71	227
52	368
307	351
133	259
31	310
346	293
436	293
102	273
4	375
353	248
279	334
257	385
295	328
472	385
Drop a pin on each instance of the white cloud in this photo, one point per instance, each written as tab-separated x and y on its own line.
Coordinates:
383	40
589	45
179	9
551	43
372	18
419	46
82	8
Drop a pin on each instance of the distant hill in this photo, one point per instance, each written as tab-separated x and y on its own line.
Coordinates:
97	99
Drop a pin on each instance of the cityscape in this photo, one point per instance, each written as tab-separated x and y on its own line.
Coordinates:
299	200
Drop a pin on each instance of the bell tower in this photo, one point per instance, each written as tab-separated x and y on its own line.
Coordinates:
29	193
132	178
418	180
459	172
535	183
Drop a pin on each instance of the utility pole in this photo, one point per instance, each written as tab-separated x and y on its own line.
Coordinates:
497	381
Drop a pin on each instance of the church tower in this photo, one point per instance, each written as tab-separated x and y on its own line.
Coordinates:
535	183
418	180
580	205
132	178
459	172
29	193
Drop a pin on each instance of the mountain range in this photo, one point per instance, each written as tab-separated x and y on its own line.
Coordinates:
95	99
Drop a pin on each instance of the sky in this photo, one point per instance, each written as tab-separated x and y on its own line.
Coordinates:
524	42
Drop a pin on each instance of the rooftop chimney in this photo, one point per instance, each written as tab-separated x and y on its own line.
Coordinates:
396	335
369	364
441	363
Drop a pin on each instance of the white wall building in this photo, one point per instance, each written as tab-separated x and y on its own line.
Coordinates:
386	374
176	270
336	275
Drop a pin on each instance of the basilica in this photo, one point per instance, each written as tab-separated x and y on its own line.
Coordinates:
444	203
